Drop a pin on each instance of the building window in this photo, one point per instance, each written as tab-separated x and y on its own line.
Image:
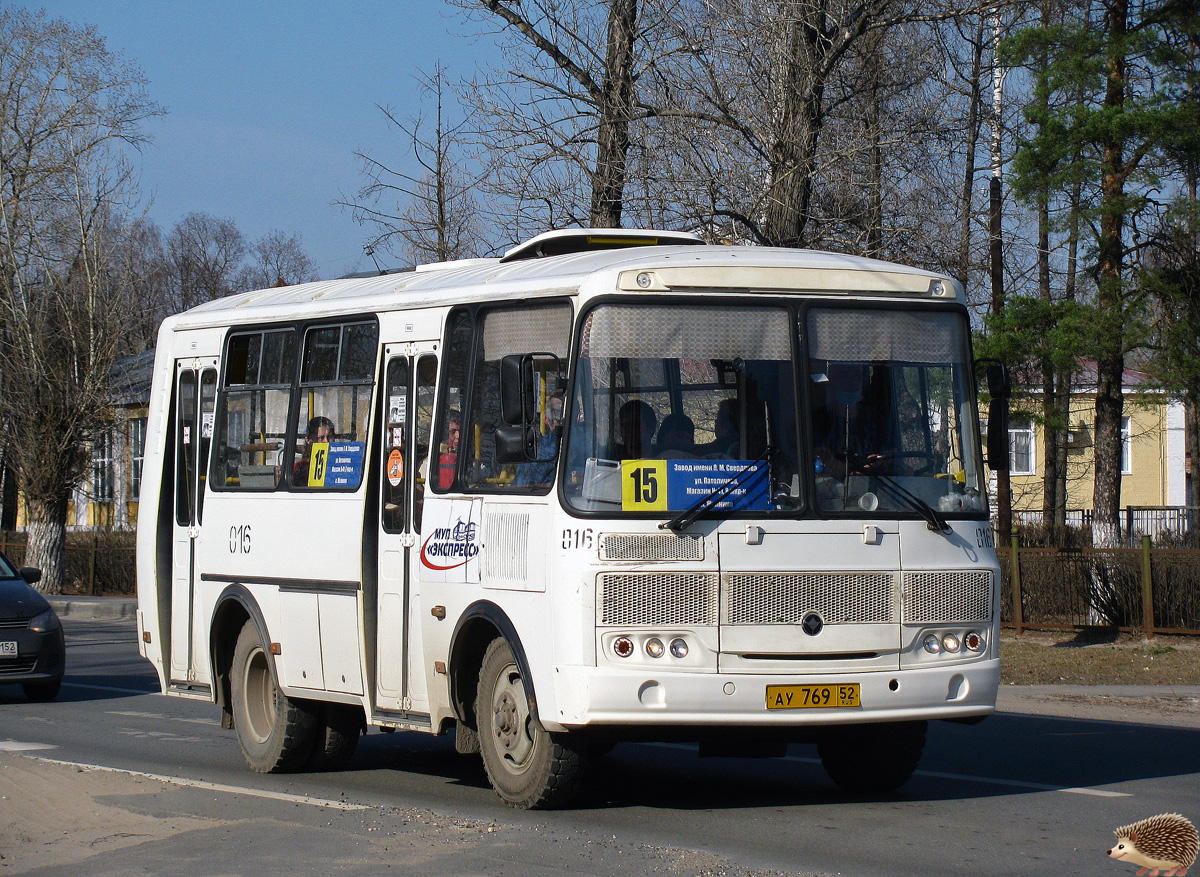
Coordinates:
1126	446
137	447
102	467
1020	446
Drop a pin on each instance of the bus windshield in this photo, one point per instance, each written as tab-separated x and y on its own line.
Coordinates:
678	404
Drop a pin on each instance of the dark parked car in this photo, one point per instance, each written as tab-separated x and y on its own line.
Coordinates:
32	649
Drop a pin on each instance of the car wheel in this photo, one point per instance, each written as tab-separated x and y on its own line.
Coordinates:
40	692
276	733
528	767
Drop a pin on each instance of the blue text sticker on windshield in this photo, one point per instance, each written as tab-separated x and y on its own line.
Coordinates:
689	481
341	466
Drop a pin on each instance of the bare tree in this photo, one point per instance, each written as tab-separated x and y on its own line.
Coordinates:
68	106
204	255
277	259
562	116
431	215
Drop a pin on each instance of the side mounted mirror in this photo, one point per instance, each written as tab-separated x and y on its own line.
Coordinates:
516	389
31	574
999	387
516	444
519	384
998	384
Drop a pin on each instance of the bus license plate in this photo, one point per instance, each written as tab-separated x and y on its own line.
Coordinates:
8	647
798	697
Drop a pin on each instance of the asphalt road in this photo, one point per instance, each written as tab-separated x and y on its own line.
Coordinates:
1015	794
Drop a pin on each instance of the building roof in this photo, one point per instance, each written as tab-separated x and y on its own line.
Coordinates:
130	380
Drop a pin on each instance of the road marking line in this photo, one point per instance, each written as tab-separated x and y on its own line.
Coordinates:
18	746
214	787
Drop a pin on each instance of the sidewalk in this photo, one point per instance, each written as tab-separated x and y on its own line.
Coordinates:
81	608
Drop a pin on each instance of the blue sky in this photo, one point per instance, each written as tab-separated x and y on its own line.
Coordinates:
269	101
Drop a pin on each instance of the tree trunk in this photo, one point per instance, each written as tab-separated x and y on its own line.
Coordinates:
800	118
47	542
967	207
1110	402
616	111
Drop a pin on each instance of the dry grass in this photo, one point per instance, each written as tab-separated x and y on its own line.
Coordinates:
1098	658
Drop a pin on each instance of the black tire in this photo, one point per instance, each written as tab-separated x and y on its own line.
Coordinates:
336	736
868	759
41	692
529	767
275	732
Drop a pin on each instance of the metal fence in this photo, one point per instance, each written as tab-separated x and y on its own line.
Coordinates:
1152	590
1167	526
97	561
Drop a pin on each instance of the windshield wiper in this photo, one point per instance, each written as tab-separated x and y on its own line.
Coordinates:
931	515
684	519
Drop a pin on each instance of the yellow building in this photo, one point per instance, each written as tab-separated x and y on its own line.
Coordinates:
1153	469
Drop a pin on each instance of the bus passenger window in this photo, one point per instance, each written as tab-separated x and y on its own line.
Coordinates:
330	434
252	411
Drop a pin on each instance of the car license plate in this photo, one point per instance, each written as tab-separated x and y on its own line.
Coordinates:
798	697
8	647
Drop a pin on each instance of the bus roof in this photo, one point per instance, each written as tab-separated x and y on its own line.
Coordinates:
651	269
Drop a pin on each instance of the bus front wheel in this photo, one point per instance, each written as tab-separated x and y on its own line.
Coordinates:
276	733
866	759
528	766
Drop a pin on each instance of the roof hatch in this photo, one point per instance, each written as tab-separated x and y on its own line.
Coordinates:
580	240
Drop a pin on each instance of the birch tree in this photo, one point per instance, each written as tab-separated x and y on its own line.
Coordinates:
69	108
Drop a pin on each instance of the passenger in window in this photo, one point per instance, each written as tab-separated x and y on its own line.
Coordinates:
676	438
725	428
320	429
540	472
636	421
448	459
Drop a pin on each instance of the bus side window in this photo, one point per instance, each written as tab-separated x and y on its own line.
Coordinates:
330	434
543	328
252	410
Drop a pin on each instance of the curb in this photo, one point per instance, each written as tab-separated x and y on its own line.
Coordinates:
93	608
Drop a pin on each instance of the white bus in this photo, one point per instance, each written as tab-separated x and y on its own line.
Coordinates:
615	485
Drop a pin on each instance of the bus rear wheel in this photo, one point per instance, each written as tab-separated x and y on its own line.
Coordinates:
867	759
529	767
336	736
276	733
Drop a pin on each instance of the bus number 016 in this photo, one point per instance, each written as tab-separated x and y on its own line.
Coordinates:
239	539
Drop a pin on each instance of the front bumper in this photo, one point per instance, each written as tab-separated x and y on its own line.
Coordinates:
587	696
41	657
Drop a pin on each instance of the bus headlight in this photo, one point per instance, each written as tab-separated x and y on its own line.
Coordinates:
950	642
623	646
679	648
974	641
655	648
933	645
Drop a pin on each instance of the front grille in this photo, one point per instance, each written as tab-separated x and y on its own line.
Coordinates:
14	623
16	666
784	598
657	598
665	546
943	597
